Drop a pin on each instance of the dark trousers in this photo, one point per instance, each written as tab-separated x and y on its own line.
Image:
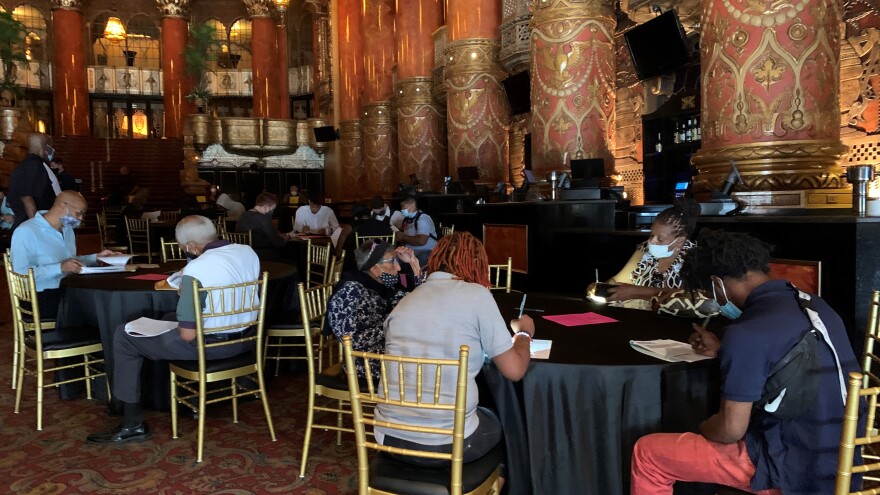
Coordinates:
49	300
479	443
129	354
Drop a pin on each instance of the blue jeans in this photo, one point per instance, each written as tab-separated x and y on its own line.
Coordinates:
479	443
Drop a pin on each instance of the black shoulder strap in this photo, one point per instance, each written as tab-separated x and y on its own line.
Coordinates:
805	301
415	221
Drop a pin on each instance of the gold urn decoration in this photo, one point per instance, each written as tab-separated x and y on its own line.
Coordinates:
258	137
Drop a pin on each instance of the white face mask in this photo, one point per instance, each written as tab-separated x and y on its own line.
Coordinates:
661	250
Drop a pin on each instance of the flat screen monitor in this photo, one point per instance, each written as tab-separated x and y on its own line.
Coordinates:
590	168
681	188
518	90
325	134
658	46
530	177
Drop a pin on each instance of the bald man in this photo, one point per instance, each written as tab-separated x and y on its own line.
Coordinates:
47	244
32	184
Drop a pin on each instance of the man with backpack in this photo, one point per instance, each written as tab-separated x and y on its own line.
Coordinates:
417	230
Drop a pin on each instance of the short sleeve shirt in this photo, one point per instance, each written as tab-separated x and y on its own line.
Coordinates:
30	178
799	455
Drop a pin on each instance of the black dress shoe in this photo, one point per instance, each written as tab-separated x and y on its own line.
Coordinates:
121	434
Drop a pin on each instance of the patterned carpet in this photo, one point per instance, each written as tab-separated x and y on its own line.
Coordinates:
240	459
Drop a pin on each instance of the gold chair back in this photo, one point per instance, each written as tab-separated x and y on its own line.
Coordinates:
445	231
318	257
107	241
501	276
139	243
32	356
169	215
7	266
171	251
850	440
359	240
238	237
188	383
336	267
220	224
418	387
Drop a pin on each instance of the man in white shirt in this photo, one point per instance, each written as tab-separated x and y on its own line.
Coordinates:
316	219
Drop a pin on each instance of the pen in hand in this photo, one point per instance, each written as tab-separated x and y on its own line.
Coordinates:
522	306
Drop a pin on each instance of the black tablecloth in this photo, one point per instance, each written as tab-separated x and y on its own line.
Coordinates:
571	423
106	301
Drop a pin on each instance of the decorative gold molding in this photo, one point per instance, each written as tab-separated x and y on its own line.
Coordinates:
377	113
414	91
67	5
472	55
174	8
258	8
555	10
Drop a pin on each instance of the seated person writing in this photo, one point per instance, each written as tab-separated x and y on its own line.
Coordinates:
47	243
265	239
760	440
453	307
655	265
363	299
315	218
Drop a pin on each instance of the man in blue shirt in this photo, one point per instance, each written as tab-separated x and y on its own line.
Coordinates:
744	446
47	244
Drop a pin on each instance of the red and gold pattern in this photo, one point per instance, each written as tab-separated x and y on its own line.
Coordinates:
380	149
351	159
421	129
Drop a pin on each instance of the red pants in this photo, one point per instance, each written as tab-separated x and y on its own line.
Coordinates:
661	459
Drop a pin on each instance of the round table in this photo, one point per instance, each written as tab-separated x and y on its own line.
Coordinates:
571	423
108	300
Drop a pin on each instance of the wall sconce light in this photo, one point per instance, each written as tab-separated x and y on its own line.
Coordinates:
282	10
114	31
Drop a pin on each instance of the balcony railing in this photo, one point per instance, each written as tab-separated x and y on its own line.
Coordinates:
33	75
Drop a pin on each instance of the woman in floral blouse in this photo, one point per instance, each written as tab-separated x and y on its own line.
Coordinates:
362	299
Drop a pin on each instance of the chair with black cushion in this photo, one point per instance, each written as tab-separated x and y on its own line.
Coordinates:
850	440
107	240
323	360
384	475
189	379
318	264
37	346
501	276
238	237
139	241
171	251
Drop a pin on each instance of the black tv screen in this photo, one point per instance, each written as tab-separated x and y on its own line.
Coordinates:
518	90
658	46
325	134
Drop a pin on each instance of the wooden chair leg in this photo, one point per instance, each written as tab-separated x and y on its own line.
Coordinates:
265	401
173	405
202	400
308	437
15	358
39	398
88	376
21	363
234	401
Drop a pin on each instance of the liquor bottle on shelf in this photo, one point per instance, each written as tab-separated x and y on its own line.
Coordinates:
681	133
658	147
688	133
699	132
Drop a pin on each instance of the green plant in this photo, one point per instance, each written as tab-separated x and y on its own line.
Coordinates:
198	56
12	35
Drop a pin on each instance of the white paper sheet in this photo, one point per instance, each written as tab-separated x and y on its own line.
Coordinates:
174	279
540	349
147	327
86	270
667	350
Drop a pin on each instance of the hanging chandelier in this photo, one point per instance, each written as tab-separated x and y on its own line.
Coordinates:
114	31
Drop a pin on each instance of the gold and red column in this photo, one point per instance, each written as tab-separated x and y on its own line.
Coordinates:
770	87
283	69
321	47
421	125
477	113
380	137
573	80
351	83
71	94
264	61
175	84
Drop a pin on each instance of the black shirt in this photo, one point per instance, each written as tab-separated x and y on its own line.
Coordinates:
30	178
263	234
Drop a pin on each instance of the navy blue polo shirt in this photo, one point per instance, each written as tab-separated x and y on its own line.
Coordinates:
799	455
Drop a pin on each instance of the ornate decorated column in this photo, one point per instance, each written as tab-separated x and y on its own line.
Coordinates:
69	67
322	48
263	57
573	82
380	138
175	83
283	72
351	81
770	86
421	125
477	113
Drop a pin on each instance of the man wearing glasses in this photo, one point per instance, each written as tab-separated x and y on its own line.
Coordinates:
47	244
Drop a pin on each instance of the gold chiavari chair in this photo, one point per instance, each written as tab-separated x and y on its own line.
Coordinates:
189	379
238	237
107	242
336	268
501	276
850	441
169	215
36	346
139	241
220	224
445	231
171	251
414	374
870	359
318	263
359	240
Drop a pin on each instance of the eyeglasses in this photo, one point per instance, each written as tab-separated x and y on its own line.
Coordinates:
78	213
387	260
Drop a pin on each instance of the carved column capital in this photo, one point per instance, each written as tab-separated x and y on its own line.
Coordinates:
174	8
575	9
377	113
258	8
67	5
471	55
414	91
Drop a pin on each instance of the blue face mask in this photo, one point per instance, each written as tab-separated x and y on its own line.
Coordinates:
70	221
728	310
408	214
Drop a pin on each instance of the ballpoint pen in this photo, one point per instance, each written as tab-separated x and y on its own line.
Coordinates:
522	306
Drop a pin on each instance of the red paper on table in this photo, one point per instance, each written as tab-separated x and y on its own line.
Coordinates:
579	319
149	276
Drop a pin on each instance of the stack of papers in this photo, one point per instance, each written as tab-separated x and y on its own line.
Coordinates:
147	327
667	350
86	270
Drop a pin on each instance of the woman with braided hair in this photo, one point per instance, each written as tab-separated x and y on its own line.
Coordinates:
453	307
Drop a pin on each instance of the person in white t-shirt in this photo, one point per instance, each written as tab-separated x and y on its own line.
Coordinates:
316	218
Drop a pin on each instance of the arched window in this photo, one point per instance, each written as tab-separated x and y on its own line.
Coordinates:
140	48
37	34
240	42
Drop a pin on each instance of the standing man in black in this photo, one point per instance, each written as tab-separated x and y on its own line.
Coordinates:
32	185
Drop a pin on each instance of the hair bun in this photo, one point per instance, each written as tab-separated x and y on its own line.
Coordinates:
688	206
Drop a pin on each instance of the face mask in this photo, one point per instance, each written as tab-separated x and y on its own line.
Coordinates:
388	279
50	153
661	250
70	221
408	214
728	310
